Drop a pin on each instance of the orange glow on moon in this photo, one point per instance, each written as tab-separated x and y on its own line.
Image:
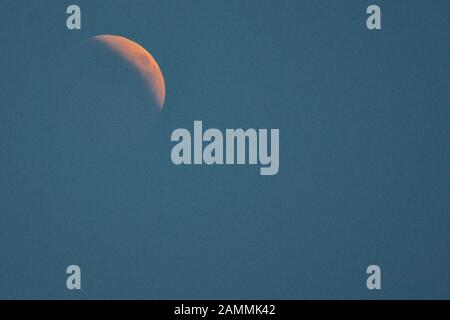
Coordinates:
141	60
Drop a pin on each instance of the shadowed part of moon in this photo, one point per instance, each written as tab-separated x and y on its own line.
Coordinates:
141	60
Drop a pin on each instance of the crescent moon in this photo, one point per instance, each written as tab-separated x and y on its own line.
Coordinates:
141	60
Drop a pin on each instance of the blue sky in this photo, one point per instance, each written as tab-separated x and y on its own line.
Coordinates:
86	175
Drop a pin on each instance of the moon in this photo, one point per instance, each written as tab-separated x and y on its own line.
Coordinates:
140	60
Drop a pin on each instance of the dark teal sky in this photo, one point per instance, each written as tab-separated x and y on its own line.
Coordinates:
86	176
